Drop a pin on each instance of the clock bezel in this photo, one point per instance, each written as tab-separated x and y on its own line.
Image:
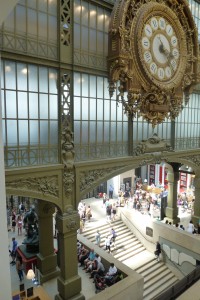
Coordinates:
142	18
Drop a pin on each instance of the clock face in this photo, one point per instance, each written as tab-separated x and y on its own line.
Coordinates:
160	48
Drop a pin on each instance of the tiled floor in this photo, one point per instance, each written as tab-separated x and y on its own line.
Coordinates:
99	217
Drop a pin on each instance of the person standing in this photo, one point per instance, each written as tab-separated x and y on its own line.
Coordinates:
158	251
113	236
19	224
108	212
98	238
108	243
190	227
13	251
88	213
114	211
19	267
13	220
111	191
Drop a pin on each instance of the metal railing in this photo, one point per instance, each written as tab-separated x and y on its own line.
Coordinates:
180	287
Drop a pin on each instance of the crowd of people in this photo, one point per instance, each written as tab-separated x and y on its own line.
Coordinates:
21	222
16	218
92	264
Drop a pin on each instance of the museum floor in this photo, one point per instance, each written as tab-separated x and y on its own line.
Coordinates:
88	289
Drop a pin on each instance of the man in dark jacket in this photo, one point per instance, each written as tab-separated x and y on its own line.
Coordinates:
158	251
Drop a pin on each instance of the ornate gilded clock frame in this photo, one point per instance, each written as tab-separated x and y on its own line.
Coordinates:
146	96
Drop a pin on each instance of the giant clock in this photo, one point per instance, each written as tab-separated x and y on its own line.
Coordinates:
159	46
153	53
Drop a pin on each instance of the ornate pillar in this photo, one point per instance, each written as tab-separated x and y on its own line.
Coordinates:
171	211
69	282
47	259
196	216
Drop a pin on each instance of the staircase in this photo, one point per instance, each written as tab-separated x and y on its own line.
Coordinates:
130	251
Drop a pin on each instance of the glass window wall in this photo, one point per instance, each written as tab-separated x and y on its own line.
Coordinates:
98	122
30	113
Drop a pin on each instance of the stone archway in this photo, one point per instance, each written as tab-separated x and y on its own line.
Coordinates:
48	184
90	176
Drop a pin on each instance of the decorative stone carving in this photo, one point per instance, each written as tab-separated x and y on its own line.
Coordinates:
71	224
68	221
88	178
152	144
68	159
68	180
67	148
195	159
45	185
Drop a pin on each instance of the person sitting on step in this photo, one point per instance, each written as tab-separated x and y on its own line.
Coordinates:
89	259
112	271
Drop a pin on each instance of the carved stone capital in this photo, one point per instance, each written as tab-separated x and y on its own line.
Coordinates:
67	222
45	209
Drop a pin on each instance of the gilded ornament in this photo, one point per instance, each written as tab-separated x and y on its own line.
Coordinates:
155	46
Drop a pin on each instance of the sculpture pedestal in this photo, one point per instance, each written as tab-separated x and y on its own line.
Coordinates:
29	259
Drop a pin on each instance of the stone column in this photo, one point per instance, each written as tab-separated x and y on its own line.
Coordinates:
171	211
47	259
69	282
196	216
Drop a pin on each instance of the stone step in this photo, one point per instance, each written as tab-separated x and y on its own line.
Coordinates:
155	273
116	224
123	235
139	250
152	269
156	277
160	289
128	248
164	282
145	266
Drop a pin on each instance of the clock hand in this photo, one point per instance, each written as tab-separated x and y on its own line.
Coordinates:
164	50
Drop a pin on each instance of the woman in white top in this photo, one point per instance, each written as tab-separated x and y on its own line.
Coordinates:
107	243
190	227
